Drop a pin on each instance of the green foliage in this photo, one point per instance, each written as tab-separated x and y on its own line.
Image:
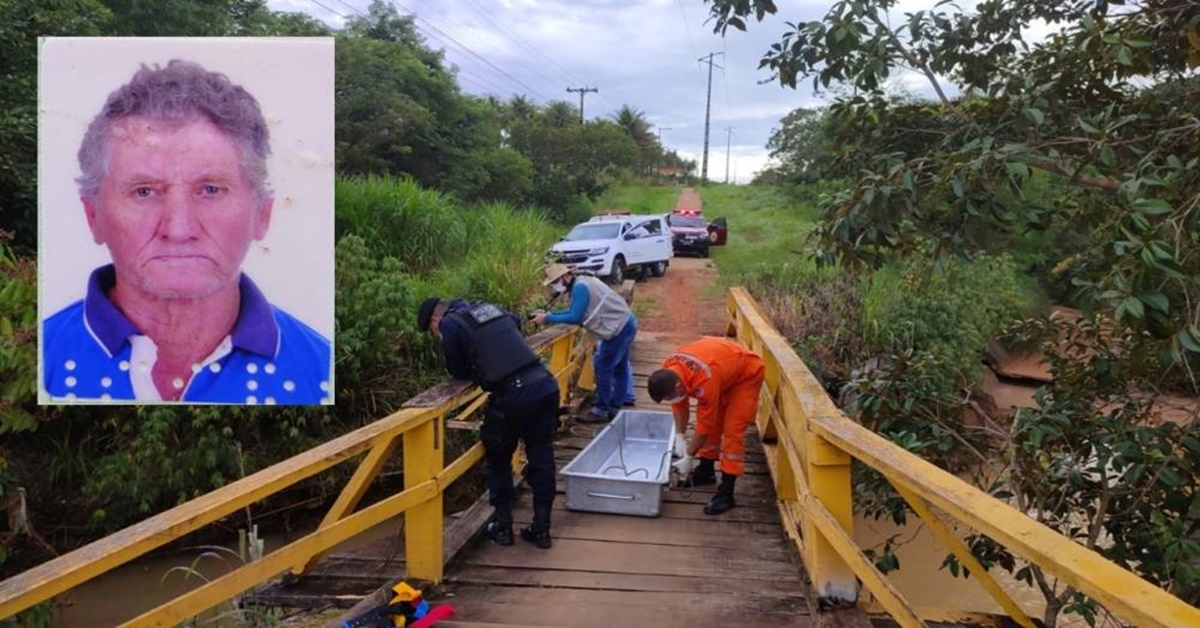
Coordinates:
940	309
376	317
21	23
160	456
1106	107
18	341
399	110
504	257
803	145
401	219
768	231
569	159
1094	462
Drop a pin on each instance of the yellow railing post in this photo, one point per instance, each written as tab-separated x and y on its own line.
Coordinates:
560	358
587	375
828	473
423	460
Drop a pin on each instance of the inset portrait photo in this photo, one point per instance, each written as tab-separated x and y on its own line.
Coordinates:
186	220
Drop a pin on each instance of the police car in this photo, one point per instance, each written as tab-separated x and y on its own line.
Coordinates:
614	244
691	233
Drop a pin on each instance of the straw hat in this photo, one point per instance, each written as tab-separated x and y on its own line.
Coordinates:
554	271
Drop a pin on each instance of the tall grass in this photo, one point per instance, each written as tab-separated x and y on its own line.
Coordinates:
768	236
399	244
398	218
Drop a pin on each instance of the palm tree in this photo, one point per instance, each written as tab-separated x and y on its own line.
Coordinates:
520	109
634	122
561	113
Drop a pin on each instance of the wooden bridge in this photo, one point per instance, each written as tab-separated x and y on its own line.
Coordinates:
781	557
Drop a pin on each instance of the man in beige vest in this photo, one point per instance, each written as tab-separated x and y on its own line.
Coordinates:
604	314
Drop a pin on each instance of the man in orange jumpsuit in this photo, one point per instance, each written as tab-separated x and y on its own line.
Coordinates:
724	378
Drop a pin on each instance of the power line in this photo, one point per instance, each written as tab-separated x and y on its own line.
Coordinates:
687	29
480	81
328	9
520	41
351	7
469	51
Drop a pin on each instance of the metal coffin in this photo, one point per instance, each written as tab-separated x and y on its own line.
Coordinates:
625	469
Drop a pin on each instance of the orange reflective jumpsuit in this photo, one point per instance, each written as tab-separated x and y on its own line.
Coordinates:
724	378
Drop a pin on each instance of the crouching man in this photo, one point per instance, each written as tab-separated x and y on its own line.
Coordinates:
724	378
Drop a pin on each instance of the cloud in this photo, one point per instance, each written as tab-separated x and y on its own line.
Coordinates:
643	54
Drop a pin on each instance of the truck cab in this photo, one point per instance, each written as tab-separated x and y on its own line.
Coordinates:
613	245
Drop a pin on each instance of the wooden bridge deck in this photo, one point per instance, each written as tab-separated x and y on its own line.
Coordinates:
681	568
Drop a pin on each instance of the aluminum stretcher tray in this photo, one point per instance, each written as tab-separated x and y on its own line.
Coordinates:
625	469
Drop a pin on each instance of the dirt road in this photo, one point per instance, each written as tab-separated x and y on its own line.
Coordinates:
686	303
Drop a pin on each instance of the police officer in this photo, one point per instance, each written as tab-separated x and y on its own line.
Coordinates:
483	343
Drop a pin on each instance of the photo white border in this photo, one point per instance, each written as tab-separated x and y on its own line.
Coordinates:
293	81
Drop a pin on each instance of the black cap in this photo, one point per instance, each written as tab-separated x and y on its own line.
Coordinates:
425	312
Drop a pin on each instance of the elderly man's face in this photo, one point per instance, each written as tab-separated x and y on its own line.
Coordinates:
175	208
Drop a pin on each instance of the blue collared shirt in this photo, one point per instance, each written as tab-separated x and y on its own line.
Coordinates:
92	352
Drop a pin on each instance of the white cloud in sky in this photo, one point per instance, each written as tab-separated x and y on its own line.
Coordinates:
642	53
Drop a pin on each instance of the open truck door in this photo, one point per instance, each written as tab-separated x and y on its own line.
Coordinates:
718	232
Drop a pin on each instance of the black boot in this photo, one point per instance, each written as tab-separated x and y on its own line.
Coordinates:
539	532
703	474
538	536
723	500
499	526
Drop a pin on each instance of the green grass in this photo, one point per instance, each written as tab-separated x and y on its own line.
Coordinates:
638	199
768	234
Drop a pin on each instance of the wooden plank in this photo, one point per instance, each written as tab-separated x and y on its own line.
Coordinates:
682	532
526	606
727	584
633	558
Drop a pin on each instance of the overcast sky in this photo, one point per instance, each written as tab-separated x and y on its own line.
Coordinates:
643	53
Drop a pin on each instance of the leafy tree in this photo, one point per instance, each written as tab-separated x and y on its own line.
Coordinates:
1092	131
803	145
21	23
571	160
1071	109
399	110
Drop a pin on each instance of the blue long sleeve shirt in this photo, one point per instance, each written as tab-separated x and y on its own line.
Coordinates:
579	304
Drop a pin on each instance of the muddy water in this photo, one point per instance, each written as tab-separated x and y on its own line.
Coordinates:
921	581
127	591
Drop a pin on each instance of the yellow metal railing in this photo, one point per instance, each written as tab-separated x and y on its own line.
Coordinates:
809	444
418	429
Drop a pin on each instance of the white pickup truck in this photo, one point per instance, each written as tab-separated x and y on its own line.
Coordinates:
613	245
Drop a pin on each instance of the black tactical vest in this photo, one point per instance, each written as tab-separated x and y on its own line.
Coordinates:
498	349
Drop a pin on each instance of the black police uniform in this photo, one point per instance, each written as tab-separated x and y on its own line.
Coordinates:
483	343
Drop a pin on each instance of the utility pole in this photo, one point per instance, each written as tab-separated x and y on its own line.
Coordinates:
661	149
707	108
582	92
728	135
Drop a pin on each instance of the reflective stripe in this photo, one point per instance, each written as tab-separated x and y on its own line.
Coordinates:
695	362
